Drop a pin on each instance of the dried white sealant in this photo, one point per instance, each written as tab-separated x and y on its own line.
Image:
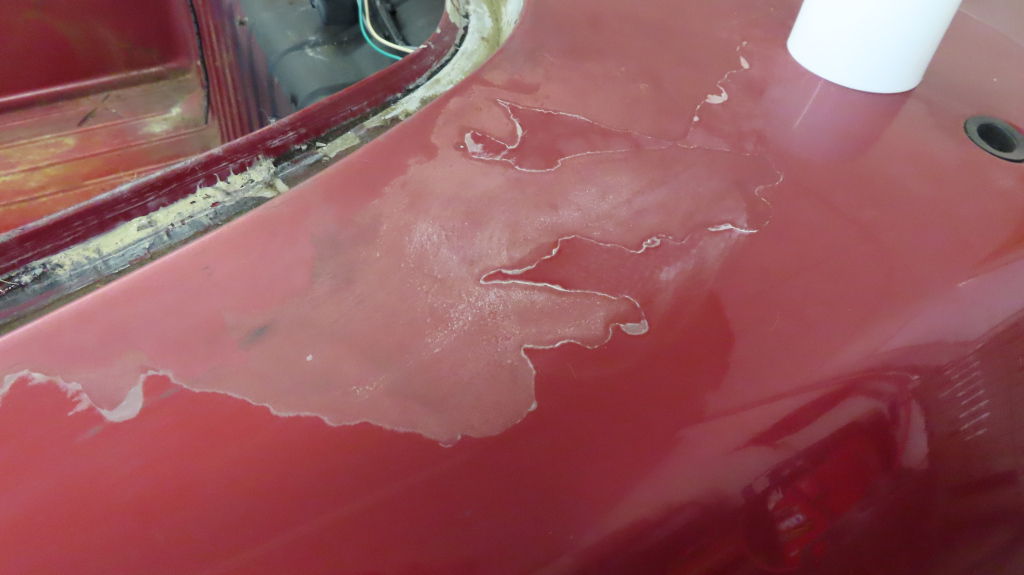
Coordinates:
259	181
722	96
127	409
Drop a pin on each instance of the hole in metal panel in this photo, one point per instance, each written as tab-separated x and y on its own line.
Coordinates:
996	137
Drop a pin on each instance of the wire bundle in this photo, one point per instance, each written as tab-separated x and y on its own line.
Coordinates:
366	27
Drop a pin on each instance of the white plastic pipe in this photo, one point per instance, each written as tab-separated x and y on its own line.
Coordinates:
881	46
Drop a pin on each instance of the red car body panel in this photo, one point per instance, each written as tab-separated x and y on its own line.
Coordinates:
641	295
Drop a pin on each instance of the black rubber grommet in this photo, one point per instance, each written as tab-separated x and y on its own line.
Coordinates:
996	137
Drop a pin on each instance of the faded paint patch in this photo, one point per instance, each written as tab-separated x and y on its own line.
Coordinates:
391	285
396	300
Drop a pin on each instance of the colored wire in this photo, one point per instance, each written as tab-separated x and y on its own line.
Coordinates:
369	27
362	28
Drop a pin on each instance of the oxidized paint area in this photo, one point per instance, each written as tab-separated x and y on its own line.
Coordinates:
646	296
383	310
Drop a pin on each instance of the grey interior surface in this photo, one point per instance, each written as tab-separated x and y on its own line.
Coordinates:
311	59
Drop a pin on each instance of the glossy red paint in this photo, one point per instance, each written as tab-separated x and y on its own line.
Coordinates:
827	383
